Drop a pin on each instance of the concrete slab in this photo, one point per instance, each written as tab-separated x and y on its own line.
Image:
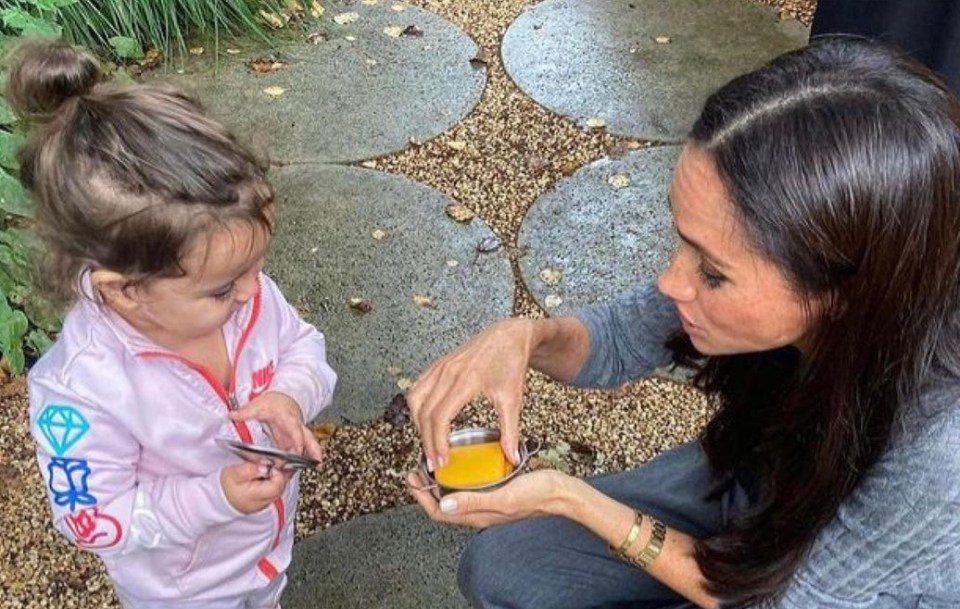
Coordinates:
348	232
356	94
602	59
397	559
601	230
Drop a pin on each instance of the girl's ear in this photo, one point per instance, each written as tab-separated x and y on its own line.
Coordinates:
116	289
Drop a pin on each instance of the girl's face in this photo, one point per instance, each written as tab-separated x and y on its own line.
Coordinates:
730	299
222	271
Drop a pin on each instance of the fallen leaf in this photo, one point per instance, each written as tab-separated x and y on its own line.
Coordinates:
394	371
460	212
317	38
369	164
350	38
393	31
415	142
422	300
151	59
378	234
196	51
621	148
552	301
457	144
619	180
314	250
399	7
404	383
413	31
371	2
662	39
453	263
551	276
323	431
371	62
345	18
489	244
480	59
398	412
316	9
360	304
568	168
233	51
595	122
274	20
274	91
265	64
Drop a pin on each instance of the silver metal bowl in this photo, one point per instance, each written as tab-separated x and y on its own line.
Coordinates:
477	435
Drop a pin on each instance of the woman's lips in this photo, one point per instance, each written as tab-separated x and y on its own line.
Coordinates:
688	325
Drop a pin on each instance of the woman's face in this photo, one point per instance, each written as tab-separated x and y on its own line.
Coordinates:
729	298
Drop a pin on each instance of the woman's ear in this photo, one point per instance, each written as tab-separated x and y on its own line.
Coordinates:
115	289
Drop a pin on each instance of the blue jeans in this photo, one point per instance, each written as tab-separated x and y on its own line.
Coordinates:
554	563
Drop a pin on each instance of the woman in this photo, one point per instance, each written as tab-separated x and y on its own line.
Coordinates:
817	291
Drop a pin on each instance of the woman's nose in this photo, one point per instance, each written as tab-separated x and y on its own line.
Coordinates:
675	282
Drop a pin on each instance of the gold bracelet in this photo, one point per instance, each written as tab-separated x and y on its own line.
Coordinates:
630	538
654	545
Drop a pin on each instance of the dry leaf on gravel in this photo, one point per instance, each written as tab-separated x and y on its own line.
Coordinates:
393	31
345	18
568	168
424	301
404	383
378	234
619	180
360	304
371	2
552	301
394	370
265	64
233	51
453	263
151	59
412	31
399	7
480	59
662	39
316	38
622	148
323	431
551	276
460	212
596	122
316	9
350	38
275	91
456	144
371	62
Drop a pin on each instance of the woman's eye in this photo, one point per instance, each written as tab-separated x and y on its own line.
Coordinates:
710	277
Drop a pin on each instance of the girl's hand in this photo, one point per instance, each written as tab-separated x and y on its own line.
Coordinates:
493	364
250	487
284	420
538	493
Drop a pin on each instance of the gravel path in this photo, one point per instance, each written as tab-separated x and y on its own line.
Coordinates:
514	150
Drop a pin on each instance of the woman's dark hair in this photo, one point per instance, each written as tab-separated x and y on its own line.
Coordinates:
842	161
124	178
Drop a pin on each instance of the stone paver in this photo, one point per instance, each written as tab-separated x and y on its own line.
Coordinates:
601	58
603	229
325	253
343	99
397	559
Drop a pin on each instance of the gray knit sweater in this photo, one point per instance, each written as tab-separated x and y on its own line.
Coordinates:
895	542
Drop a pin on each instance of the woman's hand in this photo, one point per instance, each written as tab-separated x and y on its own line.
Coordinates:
539	493
284	419
492	364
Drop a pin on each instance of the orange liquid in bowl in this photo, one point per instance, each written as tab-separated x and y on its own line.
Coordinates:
474	465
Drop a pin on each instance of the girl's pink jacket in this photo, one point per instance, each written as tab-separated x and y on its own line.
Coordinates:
125	434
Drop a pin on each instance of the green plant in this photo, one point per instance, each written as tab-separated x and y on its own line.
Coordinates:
27	319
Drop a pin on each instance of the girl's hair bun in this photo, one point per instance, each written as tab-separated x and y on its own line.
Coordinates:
44	73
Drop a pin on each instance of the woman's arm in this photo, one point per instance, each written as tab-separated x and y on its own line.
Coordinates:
551	493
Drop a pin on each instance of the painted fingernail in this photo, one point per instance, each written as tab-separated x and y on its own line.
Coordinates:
441	460
429	464
516	456
448	505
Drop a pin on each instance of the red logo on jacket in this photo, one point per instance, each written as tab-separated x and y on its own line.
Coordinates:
260	381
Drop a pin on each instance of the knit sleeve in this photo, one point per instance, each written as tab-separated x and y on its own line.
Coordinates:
627	336
898	534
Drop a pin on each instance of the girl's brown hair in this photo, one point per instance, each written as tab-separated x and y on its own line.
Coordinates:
124	177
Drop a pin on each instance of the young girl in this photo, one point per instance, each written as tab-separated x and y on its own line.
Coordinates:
156	222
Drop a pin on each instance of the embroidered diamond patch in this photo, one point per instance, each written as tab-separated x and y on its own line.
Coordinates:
62	426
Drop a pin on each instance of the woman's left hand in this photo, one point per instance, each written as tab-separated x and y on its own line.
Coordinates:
284	420
537	493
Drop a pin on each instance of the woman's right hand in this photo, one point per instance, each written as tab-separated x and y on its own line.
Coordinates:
492	364
250	487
